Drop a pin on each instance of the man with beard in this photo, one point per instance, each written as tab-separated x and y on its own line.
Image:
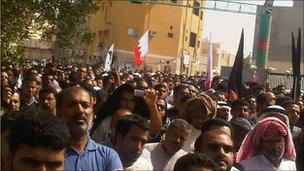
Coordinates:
165	154
196	112
216	142
47	100
132	132
268	146
75	104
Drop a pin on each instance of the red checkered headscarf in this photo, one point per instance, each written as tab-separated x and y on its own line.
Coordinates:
265	130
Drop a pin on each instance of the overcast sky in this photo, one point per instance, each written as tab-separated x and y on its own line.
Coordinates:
226	27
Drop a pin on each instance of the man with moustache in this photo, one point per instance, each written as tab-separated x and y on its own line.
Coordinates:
165	153
47	100
132	133
263	101
268	146
179	92
196	112
216	142
75	104
240	109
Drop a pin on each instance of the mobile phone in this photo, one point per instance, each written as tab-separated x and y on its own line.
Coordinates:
139	93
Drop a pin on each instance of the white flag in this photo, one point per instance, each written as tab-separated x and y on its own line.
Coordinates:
109	58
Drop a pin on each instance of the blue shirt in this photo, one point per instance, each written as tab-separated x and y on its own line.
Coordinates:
93	157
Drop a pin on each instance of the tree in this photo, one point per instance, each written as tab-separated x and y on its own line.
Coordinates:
62	20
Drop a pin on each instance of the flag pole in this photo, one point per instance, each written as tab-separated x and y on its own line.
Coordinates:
209	65
145	57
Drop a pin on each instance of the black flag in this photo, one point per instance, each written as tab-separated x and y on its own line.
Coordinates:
235	78
296	65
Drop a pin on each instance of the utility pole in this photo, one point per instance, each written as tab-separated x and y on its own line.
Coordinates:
264	34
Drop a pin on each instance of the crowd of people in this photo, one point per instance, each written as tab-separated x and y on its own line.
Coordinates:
57	116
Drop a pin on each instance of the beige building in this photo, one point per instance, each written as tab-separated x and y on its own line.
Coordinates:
37	49
227	58
174	38
220	57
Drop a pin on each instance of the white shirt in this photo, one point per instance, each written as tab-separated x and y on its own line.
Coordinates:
140	164
160	159
169	100
102	134
260	162
189	143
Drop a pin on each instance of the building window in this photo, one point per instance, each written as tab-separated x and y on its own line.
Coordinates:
197	9
102	6
152	33
167	69
132	32
106	13
202	14
204	51
192	39
107	32
174	1
170	35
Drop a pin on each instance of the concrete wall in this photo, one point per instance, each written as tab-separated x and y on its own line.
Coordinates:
247	75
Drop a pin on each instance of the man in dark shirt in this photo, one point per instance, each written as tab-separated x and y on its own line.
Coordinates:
179	94
29	91
299	144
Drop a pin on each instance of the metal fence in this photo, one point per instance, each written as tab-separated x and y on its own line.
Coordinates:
276	79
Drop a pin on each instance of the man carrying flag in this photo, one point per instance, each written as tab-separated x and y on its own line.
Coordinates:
141	48
109	58
235	78
209	67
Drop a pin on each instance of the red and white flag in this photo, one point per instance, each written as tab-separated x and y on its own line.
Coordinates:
209	67
141	48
